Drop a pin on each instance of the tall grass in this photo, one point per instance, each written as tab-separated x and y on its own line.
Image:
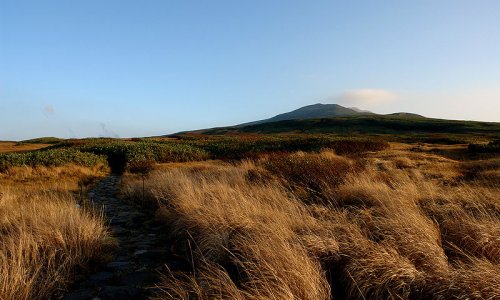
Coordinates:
237	226
47	233
44	239
379	232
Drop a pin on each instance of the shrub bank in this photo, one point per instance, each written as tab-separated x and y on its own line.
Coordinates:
50	158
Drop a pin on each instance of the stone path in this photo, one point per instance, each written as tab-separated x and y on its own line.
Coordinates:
142	251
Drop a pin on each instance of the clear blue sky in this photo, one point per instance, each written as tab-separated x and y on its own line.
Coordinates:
138	68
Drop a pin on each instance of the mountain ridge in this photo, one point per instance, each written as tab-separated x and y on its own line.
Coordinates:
313	111
336	119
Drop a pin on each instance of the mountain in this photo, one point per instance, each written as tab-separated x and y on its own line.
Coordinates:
336	119
315	111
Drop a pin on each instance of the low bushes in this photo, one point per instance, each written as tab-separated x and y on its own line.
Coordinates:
238	147
49	158
120	154
491	147
159	152
312	176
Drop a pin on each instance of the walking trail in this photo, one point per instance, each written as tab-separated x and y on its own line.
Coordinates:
143	251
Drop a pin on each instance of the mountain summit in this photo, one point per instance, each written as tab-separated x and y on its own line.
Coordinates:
314	111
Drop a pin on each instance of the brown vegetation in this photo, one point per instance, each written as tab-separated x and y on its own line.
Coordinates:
20	147
46	232
64	178
398	224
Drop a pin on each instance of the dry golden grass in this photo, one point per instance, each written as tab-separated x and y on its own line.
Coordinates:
243	226
64	178
403	225
44	236
17	147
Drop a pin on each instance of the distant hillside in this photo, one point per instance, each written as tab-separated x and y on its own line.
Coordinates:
334	118
43	140
314	111
372	124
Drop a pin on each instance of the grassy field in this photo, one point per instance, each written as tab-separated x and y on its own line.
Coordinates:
404	222
28	145
20	147
288	216
48	233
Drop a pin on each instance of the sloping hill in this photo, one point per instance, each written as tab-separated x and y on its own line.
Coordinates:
314	111
372	124
334	118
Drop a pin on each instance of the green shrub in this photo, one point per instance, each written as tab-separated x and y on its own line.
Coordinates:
491	147
238	147
51	157
312	176
121	154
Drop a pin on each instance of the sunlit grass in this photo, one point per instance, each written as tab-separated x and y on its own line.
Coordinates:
385	227
45	237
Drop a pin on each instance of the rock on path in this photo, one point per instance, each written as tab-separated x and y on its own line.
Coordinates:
141	254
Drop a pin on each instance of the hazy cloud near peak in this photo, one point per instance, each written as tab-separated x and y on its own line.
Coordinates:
365	97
